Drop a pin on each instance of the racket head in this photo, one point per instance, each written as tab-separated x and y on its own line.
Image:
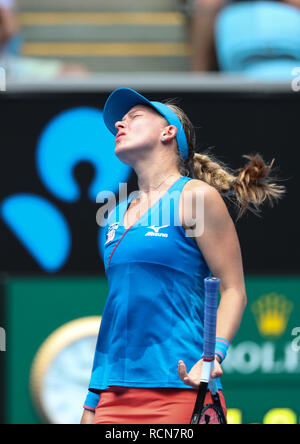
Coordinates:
212	414
202	391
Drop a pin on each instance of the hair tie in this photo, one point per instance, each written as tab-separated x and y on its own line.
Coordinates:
231	184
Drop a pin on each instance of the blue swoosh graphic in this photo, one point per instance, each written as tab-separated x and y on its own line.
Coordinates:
73	136
40	227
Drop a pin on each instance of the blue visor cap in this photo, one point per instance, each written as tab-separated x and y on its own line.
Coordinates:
123	99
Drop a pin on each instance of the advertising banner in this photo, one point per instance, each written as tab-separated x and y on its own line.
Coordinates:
262	368
53	326
57	156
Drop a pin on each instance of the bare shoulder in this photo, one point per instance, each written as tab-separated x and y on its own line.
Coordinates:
211	194
198	197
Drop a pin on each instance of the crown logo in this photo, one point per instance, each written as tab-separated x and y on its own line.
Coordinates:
272	312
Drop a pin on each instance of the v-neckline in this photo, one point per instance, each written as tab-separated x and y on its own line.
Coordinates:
149	209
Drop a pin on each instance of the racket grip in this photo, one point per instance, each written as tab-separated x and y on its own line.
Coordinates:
211	287
213	386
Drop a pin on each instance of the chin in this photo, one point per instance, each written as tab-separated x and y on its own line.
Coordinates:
122	155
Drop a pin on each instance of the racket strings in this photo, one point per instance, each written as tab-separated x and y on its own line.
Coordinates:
211	415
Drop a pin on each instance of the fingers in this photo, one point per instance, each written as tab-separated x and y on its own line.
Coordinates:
182	371
217	371
185	377
193	377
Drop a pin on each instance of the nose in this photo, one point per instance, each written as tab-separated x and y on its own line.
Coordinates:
120	124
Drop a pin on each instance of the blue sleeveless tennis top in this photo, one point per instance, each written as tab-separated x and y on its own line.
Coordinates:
153	315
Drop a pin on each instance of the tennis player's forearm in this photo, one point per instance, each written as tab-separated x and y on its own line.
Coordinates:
87	417
230	312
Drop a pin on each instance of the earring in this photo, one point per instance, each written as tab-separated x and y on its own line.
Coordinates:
163	139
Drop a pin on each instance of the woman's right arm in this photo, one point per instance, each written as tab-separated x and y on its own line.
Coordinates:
89	407
87	417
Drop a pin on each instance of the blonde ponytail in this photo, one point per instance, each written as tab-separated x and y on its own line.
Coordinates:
211	172
247	188
251	186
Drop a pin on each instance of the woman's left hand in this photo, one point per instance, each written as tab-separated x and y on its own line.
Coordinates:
194	376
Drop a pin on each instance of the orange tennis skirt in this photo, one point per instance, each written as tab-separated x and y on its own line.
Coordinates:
126	405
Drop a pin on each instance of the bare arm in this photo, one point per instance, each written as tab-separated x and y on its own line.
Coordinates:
87	417
295	3
202	36
220	247
8	25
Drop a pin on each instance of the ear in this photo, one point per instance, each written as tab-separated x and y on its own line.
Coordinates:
169	133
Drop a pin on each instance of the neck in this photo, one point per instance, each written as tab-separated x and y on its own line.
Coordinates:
156	179
157	171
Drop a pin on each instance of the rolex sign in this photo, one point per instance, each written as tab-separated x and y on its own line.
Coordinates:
262	369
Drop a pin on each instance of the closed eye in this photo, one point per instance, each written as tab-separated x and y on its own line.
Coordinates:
132	116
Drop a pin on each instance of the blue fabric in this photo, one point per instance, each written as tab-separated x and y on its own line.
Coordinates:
123	99
153	316
92	400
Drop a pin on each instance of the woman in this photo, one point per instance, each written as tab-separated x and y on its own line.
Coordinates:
148	363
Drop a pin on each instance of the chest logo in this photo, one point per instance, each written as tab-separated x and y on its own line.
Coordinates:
155	232
111	232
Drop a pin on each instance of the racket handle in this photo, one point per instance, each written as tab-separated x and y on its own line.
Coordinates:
213	386
211	287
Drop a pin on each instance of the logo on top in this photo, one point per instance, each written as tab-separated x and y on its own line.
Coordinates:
155	232
111	232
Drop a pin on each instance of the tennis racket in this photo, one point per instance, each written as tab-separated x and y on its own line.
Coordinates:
210	413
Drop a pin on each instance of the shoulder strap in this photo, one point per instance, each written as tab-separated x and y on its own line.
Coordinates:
174	201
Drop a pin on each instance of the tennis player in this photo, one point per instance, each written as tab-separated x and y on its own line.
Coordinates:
147	363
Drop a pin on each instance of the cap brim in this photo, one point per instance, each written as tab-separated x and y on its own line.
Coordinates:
119	103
